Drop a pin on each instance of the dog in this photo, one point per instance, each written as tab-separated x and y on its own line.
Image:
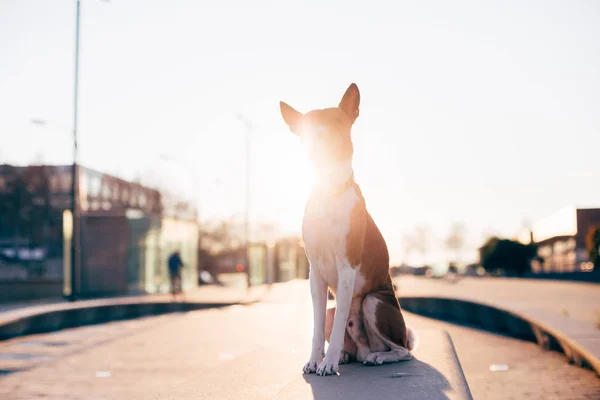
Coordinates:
346	251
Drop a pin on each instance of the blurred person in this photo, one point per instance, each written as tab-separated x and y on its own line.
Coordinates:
175	266
452	274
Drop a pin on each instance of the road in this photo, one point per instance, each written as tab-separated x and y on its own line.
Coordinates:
139	359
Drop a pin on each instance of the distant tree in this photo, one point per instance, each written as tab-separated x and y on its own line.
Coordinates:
509	255
456	240
215	238
418	241
593	245
218	236
265	231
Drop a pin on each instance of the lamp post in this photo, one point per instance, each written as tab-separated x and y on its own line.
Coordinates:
72	291
75	250
249	128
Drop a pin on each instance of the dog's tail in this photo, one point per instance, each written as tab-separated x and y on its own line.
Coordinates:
413	338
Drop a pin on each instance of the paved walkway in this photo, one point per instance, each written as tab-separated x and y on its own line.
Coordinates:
576	301
253	351
210	294
567	311
162	354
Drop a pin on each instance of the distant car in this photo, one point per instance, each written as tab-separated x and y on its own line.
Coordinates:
205	278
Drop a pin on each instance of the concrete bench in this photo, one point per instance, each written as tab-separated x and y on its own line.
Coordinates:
434	373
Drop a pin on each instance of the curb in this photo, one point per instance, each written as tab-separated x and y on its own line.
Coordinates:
54	320
509	323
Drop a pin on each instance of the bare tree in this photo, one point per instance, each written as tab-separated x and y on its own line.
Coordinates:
218	236
418	241
408	245
456	239
265	231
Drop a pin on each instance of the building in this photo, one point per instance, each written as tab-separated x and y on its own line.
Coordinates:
127	234
561	239
269	262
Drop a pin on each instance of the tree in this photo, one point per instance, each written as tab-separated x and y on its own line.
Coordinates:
456	240
509	255
593	245
215	238
220	236
418	241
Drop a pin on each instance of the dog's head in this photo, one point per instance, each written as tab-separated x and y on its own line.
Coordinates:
326	132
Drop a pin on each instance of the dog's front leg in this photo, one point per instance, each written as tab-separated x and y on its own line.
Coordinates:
318	291
345	291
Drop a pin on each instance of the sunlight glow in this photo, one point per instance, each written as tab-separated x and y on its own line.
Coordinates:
297	185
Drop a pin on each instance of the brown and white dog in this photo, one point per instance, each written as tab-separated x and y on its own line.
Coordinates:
346	251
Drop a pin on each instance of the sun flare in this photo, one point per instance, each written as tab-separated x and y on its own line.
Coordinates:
297	180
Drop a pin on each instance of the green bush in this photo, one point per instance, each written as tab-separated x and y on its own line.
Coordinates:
509	255
593	245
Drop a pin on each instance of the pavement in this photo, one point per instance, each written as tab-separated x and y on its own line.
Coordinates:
579	301
250	351
532	372
257	350
35	317
559	315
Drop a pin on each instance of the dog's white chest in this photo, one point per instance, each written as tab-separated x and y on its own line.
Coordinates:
325	230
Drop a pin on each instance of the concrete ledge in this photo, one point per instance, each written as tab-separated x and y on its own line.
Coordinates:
38	318
579	342
274	373
54	318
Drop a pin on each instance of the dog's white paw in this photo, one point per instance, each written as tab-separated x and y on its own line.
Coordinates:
310	367
373	359
344	357
327	367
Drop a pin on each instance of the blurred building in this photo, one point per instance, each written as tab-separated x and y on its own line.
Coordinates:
127	234
561	239
269	262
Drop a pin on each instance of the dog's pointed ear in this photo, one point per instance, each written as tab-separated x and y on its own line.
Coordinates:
291	117
350	102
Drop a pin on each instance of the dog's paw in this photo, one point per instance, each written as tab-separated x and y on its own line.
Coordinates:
344	357
327	368
310	367
373	359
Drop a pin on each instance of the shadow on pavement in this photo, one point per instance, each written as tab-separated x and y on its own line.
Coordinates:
412	379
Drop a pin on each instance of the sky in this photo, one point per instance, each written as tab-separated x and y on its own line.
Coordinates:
484	113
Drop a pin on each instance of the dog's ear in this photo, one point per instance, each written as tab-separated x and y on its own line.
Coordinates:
350	102
291	117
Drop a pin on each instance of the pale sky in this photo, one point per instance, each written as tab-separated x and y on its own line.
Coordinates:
485	113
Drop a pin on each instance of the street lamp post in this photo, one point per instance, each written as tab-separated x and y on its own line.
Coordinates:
249	128
75	249
75	209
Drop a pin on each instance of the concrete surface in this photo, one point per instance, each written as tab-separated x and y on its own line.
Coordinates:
434	373
557	315
244	351
38	318
579	301
155	356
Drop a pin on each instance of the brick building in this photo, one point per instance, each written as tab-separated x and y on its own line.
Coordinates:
561	239
127	233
